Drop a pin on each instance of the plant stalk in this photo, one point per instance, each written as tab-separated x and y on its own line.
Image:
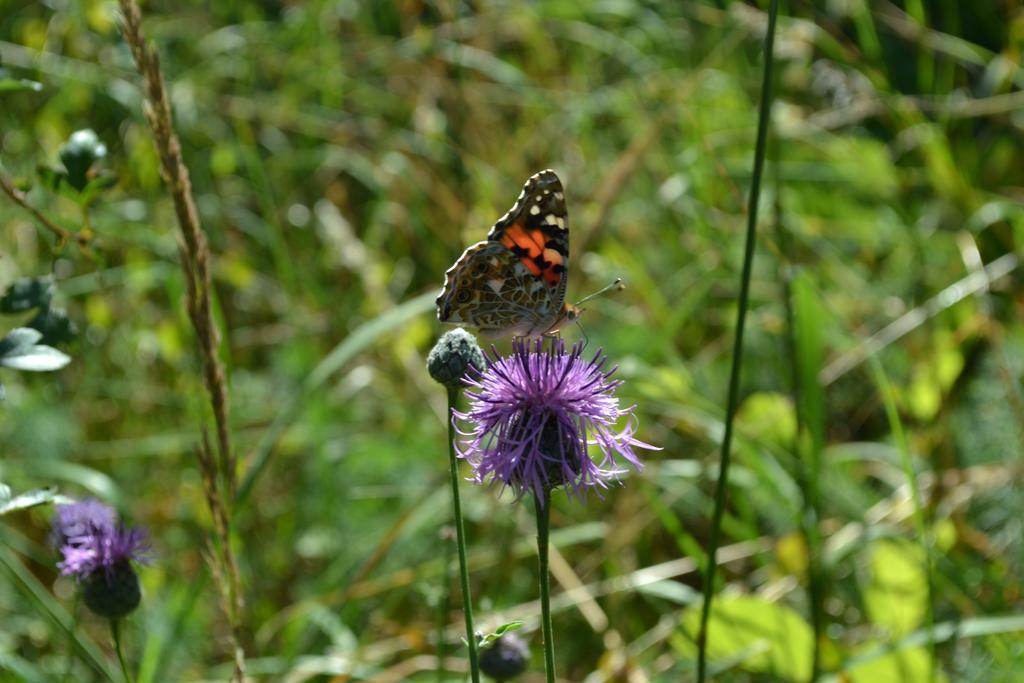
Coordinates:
115	631
737	351
543	504
460	541
195	263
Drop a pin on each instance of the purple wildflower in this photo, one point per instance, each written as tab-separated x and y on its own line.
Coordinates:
99	552
90	540
533	414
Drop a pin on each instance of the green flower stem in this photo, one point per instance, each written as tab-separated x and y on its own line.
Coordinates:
543	504
737	349
460	539
445	603
115	630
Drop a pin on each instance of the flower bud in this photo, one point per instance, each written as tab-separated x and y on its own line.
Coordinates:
505	658
79	153
453	355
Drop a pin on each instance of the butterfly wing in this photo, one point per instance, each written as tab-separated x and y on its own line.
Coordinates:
489	287
514	283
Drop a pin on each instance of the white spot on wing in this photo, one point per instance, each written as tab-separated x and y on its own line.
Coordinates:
496	284
551	219
559	196
534	210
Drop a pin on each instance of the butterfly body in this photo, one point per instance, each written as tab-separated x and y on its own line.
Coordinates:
514	282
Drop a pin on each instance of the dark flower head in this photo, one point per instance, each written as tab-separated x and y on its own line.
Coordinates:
95	549
533	414
505	658
453	355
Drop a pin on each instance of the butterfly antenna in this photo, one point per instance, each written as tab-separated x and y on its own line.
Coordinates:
618	286
586	339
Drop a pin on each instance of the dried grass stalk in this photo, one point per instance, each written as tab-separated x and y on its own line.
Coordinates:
219	475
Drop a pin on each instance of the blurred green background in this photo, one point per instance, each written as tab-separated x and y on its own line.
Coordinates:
343	154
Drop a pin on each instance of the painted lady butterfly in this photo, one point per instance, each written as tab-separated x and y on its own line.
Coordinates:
514	282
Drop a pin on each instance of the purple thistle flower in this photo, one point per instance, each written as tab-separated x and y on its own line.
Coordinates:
90	539
533	414
99	552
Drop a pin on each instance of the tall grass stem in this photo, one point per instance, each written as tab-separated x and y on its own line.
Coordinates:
460	540
737	351
220	474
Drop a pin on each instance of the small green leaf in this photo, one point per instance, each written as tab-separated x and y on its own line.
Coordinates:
27	293
26	500
19	351
9	83
499	632
19	338
36	359
18	84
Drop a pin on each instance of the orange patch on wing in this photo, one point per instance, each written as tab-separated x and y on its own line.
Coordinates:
530	265
517	236
532	242
551	275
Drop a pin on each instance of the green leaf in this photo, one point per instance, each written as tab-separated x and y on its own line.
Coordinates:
19	351
9	83
19	84
26	500
756	635
896	594
913	664
499	632
808	317
27	293
19	338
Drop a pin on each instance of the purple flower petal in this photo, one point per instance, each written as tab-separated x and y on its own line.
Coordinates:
91	541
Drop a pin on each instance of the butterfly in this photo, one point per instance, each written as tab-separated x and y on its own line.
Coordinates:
513	283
